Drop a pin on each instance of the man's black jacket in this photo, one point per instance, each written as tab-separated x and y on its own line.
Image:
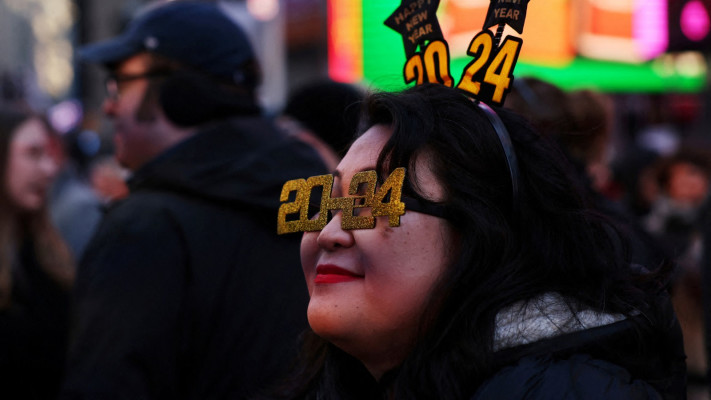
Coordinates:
186	291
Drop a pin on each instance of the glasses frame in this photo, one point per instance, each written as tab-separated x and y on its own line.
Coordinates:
113	81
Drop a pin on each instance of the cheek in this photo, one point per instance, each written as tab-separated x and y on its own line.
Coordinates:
309	257
397	296
20	193
17	175
406	263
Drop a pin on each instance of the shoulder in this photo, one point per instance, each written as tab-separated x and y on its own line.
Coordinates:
138	237
144	203
141	213
578	377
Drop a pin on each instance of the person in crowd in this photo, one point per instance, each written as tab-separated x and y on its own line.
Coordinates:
677	218
36	267
324	114
329	109
186	291
75	208
683	181
580	122
498	282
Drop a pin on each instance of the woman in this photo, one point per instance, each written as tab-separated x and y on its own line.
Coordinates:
35	265
487	291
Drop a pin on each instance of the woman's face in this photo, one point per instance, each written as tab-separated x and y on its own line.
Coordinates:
368	287
31	167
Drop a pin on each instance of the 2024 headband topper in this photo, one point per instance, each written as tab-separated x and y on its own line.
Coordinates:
489	75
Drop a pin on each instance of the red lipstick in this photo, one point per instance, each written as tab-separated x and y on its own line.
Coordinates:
333	274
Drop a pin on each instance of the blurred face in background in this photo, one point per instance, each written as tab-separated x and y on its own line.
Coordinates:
688	184
31	166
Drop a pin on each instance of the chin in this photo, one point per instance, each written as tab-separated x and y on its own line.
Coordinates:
326	322
31	205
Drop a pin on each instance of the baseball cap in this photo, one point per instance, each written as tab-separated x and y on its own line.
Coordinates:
196	34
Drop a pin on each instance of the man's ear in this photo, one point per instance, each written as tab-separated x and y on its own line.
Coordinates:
147	110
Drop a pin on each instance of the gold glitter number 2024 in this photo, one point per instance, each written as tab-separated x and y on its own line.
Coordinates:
362	193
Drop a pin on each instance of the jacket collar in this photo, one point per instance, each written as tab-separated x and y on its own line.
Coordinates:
544	317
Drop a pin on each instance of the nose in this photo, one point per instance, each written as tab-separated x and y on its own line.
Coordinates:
333	237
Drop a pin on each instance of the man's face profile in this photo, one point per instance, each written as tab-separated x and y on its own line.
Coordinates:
126	87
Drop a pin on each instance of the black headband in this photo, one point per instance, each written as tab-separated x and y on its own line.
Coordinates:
503	134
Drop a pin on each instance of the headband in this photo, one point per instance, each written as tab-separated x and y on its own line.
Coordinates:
487	79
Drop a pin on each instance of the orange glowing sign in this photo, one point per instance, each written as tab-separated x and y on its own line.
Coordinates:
547	34
622	30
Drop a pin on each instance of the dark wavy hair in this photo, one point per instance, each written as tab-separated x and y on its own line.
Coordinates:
510	250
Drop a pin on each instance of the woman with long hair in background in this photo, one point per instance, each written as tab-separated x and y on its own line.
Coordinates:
36	267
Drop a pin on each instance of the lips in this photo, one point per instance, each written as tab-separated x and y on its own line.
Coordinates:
326	274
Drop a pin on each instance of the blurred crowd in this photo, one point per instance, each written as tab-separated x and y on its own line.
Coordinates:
656	187
59	178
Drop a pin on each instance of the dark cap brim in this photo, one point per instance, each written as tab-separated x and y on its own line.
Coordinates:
110	51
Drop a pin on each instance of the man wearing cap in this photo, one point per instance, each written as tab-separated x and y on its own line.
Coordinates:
186	291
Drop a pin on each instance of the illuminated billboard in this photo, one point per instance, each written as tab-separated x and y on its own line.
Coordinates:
611	45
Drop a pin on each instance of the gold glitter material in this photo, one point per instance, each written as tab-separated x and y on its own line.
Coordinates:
394	208
301	204
326	182
362	196
290	208
362	199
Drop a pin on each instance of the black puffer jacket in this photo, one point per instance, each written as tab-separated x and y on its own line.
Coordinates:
548	351
186	291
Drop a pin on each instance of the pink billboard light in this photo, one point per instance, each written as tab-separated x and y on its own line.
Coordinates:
695	21
651	28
